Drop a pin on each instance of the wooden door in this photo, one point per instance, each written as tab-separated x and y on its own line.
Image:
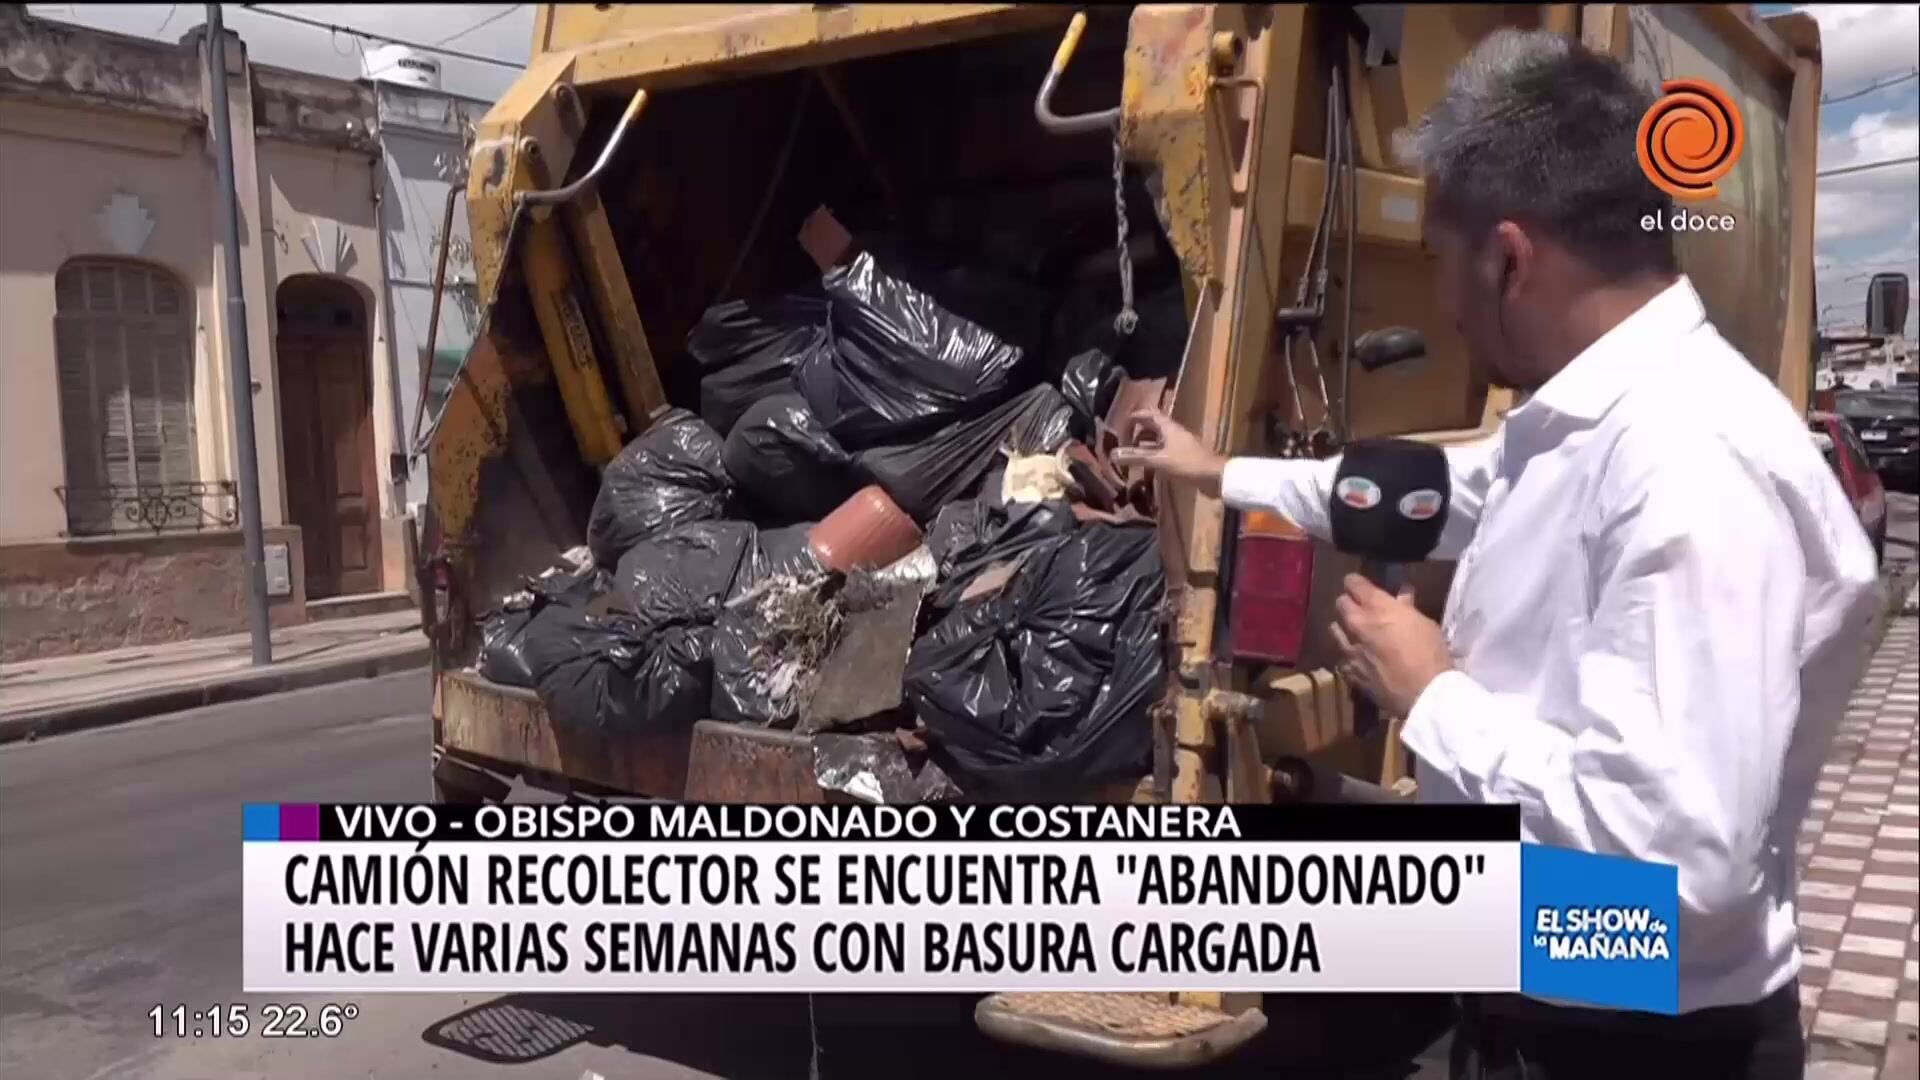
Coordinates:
326	412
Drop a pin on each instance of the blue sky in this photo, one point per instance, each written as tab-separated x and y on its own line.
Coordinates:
1867	222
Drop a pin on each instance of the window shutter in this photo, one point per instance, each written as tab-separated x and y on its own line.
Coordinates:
123	335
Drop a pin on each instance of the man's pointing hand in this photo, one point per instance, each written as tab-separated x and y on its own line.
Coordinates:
1158	444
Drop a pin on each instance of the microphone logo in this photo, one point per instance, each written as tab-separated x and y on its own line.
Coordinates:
1358	492
1420	505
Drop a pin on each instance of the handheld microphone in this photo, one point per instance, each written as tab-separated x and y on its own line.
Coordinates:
1389	506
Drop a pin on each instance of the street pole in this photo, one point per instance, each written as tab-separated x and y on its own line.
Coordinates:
239	364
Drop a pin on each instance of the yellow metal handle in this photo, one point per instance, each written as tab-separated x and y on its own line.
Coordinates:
1064	54
633	108
1043	102
559	195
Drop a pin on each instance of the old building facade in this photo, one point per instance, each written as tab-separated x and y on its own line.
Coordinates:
118	508
423	134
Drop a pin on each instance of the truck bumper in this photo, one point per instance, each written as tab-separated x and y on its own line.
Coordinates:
505	731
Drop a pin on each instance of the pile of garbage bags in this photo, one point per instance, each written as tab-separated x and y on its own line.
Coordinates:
1020	641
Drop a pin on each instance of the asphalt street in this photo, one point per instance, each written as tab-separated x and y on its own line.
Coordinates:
120	873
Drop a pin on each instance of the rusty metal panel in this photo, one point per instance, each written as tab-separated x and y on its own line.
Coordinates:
1163	103
732	763
551	282
1209	100
622	331
500	166
1390	206
662	50
473	429
1744	276
509	726
570	26
678	45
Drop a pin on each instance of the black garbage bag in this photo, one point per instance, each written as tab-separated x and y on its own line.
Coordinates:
684	575
503	636
607	674
875	768
568	584
1089	385
958	525
738	696
762	667
754	679
669	476
783	552
503	631
1001	297
783	460
1046	683
922	476
748	349
759	667
898	364
994	535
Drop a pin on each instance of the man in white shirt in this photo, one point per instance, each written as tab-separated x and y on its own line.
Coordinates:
1662	595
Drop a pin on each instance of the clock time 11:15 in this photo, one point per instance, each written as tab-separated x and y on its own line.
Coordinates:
233	1021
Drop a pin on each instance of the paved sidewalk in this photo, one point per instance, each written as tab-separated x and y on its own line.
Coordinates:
1860	859
68	693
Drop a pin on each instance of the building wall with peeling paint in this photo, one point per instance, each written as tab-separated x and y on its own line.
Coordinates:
106	152
423	158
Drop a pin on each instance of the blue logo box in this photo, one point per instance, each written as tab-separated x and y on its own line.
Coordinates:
1599	930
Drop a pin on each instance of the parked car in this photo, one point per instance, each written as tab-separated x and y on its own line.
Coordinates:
1888	422
1842	447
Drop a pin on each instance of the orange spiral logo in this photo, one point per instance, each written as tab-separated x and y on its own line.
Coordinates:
1690	138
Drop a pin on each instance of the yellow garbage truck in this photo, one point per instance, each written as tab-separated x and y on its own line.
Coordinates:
654	160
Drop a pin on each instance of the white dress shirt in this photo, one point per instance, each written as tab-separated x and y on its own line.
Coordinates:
1661	606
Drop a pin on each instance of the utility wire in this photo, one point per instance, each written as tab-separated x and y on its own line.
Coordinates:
1864	91
488	21
1889	163
318	25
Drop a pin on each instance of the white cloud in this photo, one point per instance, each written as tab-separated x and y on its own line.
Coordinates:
1867	222
1872	137
1879	200
1861	44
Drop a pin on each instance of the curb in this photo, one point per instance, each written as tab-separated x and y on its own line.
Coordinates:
81	716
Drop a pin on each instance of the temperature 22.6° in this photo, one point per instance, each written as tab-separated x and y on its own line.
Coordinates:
272	1021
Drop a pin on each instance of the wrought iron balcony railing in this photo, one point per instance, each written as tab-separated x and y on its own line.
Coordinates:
155	508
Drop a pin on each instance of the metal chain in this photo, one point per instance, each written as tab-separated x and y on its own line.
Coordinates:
1128	318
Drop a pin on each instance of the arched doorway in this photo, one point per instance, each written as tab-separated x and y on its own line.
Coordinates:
325	368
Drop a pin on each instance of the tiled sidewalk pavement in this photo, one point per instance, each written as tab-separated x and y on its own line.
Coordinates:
1860	852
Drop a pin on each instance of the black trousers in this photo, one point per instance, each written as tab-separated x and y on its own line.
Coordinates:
1509	1038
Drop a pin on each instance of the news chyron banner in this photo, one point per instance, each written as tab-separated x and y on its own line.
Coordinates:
945	898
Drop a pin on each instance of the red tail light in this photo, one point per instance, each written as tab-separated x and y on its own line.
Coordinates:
1272	586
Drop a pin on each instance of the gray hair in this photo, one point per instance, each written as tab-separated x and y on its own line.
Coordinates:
1537	129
